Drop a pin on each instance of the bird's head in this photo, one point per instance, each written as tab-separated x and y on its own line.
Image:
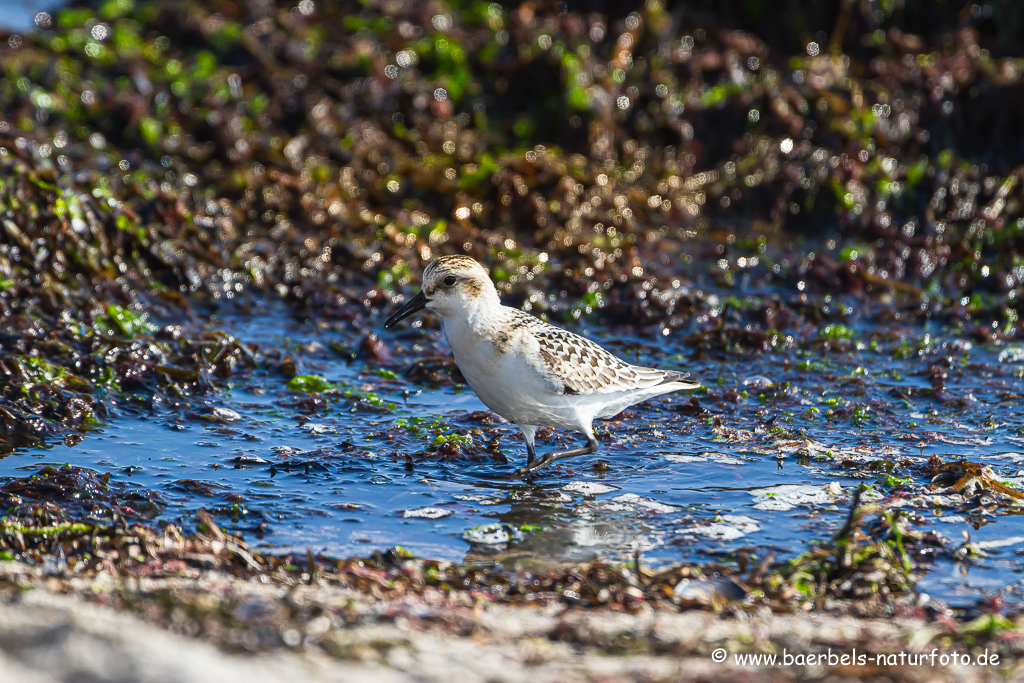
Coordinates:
452	286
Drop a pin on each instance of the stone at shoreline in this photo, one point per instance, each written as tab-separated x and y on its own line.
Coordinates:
48	636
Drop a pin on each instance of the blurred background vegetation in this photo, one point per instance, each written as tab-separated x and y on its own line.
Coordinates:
614	153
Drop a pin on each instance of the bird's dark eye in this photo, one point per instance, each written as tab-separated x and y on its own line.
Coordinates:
449	281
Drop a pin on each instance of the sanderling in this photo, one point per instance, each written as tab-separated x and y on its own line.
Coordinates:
527	371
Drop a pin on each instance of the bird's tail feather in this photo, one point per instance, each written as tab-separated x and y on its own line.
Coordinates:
673	377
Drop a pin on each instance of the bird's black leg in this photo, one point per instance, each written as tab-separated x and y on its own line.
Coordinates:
531	453
547	459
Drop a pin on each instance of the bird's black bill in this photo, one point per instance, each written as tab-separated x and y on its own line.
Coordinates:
417	303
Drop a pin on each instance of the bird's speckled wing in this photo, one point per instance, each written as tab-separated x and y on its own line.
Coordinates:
580	366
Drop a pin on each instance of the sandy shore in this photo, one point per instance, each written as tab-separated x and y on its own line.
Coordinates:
61	630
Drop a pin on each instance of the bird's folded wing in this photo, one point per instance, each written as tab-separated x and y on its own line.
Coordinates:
577	365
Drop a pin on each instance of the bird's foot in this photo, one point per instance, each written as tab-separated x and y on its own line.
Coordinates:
533	465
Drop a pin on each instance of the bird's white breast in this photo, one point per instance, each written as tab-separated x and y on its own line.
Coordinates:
507	378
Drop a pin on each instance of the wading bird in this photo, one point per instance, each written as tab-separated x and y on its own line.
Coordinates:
527	371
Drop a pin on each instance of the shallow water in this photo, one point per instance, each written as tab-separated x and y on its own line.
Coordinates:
765	468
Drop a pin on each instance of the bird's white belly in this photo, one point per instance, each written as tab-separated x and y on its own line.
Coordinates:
509	385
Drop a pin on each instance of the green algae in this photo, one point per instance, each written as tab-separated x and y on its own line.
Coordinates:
309	383
75	528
